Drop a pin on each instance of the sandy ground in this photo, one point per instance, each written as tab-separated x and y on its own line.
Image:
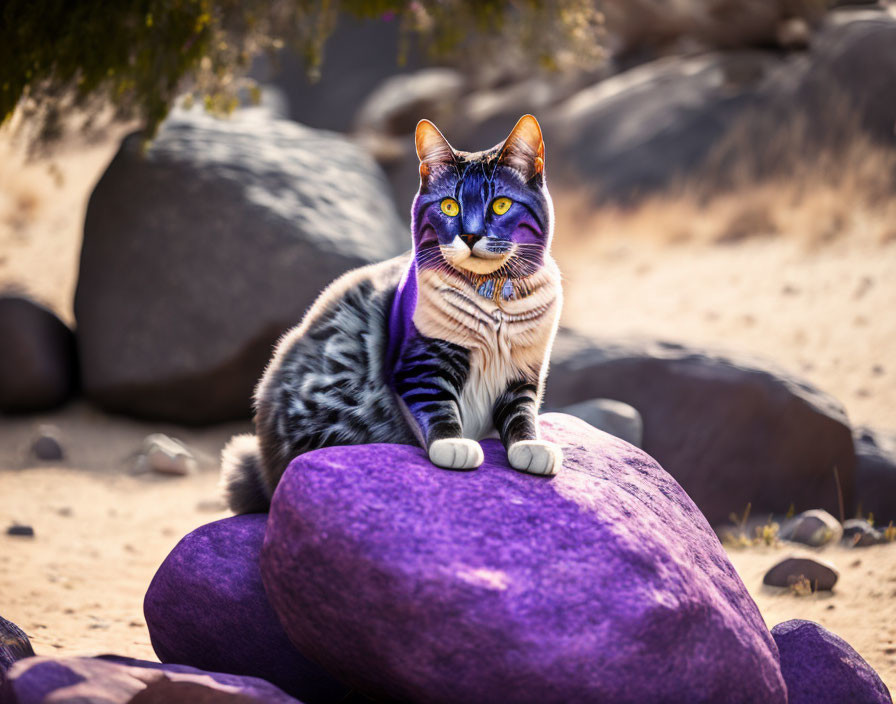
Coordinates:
77	587
101	531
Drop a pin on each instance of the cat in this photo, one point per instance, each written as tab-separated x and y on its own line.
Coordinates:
438	348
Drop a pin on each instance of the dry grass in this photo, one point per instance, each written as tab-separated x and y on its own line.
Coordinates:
792	263
815	196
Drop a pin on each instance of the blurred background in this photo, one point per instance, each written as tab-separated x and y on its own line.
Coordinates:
179	180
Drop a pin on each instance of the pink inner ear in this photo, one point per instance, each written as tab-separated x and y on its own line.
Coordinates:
432	147
524	148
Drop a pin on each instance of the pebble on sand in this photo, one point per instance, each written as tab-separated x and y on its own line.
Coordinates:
20	531
792	571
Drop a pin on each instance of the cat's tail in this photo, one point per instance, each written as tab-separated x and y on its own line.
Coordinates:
242	478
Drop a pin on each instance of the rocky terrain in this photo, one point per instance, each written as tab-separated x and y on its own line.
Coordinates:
724	227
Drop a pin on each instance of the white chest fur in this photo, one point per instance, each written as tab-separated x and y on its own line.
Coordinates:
507	340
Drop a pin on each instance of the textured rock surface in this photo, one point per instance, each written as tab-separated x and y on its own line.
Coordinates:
731	431
424	585
198	255
46	446
876	473
38	368
206	607
115	680
821	668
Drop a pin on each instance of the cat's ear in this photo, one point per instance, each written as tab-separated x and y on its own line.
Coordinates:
433	149
523	149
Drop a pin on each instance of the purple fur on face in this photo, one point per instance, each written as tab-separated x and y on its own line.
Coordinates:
474	185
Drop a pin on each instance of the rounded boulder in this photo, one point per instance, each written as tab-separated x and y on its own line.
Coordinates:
822	668
38	363
603	583
206	608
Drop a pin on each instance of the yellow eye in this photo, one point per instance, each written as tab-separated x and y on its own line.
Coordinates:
501	205
450	207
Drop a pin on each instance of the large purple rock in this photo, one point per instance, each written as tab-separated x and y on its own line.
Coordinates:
206	607
822	668
115	680
602	584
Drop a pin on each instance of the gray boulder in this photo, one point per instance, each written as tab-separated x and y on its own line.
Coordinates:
397	104
876	473
639	130
720	116
613	417
357	58
732	431
38	367
201	252
814	528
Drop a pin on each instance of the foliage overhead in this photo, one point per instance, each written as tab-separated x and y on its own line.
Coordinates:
139	55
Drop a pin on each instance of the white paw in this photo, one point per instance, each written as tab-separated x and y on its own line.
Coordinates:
535	457
456	453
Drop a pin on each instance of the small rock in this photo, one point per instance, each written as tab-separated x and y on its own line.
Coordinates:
814	528
47	447
21	531
791	570
859	533
166	455
211	505
38	361
613	417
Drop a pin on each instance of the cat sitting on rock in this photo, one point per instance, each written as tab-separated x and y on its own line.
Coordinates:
439	348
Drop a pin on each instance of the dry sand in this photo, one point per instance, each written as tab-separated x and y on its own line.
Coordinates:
822	310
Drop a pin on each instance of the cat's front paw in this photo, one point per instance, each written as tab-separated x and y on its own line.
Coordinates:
535	457
456	453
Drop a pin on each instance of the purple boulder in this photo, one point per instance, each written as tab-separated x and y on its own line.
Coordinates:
822	668
115	680
206	607
602	584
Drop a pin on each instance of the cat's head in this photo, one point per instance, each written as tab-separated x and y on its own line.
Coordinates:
485	213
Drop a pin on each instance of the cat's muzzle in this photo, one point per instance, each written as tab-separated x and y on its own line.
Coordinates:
484	257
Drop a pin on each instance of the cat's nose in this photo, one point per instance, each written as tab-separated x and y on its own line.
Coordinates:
470	239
